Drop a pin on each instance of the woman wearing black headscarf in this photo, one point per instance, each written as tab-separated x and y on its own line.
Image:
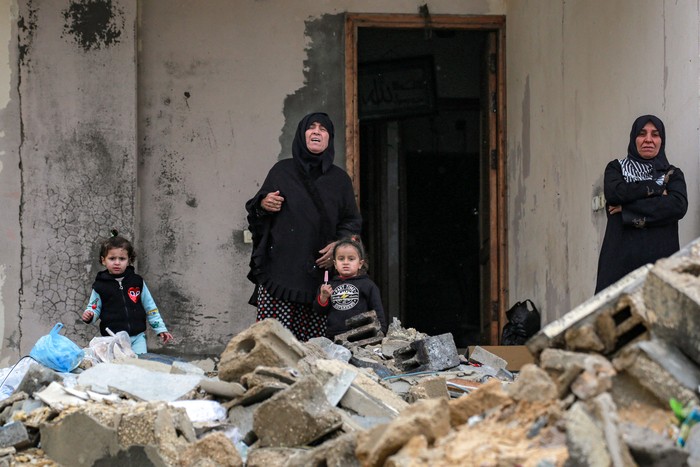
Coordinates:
304	205
646	197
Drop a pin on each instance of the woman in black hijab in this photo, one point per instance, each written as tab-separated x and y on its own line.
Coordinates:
304	205
646	197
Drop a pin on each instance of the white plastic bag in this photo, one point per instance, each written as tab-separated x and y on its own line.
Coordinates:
113	347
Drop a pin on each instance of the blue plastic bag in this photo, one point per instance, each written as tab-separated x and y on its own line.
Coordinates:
57	352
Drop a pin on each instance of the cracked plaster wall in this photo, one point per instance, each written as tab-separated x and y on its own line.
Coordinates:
221	86
221	90
600	64
76	89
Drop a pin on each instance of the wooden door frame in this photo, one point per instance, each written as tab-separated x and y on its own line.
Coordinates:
496	23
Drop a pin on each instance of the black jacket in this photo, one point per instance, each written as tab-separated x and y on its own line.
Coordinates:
351	296
286	243
121	305
646	229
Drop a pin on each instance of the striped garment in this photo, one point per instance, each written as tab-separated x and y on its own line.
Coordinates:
634	171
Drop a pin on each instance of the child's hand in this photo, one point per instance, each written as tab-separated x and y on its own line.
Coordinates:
326	291
87	316
165	337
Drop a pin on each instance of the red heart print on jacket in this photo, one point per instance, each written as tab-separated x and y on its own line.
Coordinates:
134	293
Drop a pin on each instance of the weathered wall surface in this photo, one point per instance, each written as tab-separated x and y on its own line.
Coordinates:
76	89
10	182
578	74
222	86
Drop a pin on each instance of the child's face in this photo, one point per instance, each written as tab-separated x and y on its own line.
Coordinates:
347	261
116	261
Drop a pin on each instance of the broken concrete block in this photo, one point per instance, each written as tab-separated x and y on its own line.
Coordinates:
604	410
651	448
55	396
213	449
672	297
363	329
483	356
584	439
553	334
216	387
533	384
565	367
37	377
267	374
271	456
266	343
428	417
257	394
364	404
429	388
661	369
133	456
391	345
487	396
336	387
336	452
434	353
14	434
381	370
295	416
66	441
384	398
596	377
169	429
325	369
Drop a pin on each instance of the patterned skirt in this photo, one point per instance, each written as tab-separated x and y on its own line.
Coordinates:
297	317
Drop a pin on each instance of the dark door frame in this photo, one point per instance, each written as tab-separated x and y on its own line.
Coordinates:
498	254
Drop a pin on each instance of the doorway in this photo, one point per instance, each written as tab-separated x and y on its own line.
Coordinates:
425	151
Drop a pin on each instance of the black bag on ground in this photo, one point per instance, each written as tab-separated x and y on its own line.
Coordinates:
523	323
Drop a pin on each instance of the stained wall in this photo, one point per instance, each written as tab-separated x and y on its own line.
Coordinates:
164	120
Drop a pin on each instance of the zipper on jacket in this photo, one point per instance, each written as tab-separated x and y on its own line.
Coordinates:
126	308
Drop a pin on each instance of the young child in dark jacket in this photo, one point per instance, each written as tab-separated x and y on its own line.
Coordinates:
349	293
120	298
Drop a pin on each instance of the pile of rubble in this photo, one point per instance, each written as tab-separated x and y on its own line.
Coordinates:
597	394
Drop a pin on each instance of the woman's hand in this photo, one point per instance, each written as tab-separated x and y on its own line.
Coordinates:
272	202
87	316
326	259
614	209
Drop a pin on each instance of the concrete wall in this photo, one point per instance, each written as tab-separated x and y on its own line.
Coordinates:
221	86
579	72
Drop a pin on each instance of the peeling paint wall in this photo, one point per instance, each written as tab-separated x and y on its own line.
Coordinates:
578	74
76	88
169	151
222	86
10	191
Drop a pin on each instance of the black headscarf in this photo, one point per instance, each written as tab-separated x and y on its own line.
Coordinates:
301	154
659	163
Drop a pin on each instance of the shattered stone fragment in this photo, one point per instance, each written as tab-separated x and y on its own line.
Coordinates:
214	449
265	343
428	417
296	416
489	395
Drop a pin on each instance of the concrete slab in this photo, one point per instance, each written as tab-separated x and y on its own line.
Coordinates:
55	396
138	383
